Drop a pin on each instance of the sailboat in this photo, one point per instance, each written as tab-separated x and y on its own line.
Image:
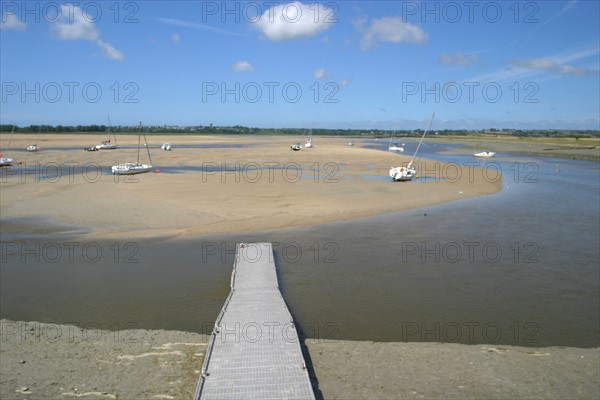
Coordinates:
296	147
485	154
7	161
308	143
35	147
106	144
409	172
394	146
131	168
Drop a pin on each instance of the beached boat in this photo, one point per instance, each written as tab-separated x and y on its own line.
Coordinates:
394	146
106	144
409	172
131	168
7	161
308	143
34	147
166	146
296	147
485	154
351	143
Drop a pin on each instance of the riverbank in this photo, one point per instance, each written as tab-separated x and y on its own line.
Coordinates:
60	361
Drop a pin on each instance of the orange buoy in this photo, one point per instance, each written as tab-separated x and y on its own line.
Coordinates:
158	171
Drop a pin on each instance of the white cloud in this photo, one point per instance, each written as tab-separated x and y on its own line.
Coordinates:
294	20
390	29
109	51
320	73
10	21
459	59
73	25
242	66
175	37
546	64
344	83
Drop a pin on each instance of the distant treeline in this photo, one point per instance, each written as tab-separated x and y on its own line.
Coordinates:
242	130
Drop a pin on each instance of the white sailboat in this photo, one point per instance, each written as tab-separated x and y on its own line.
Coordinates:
409	172
7	161
296	147
34	147
308	143
166	146
106	144
131	168
394	146
485	154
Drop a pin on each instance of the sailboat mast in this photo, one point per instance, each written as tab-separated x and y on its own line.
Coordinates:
147	149
109	131
139	137
422	137
10	138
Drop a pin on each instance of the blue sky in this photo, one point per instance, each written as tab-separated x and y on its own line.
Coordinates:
344	64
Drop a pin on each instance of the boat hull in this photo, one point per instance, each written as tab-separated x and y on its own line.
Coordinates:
130	169
106	147
6	162
402	174
484	154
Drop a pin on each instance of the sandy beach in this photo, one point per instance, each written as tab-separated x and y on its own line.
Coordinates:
260	186
41	361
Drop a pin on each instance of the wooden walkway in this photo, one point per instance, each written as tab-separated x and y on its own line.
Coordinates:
254	351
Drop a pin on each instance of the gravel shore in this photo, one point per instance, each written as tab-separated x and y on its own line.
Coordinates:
51	361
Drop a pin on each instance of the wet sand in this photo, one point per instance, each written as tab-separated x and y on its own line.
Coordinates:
216	189
42	361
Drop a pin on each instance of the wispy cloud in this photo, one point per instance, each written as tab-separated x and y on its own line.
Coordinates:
193	25
521	68
294	20
389	29
320	73
242	66
109	51
74	26
543	23
459	59
175	37
11	21
545	64
344	83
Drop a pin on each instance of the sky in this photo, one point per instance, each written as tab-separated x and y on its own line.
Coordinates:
332	64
